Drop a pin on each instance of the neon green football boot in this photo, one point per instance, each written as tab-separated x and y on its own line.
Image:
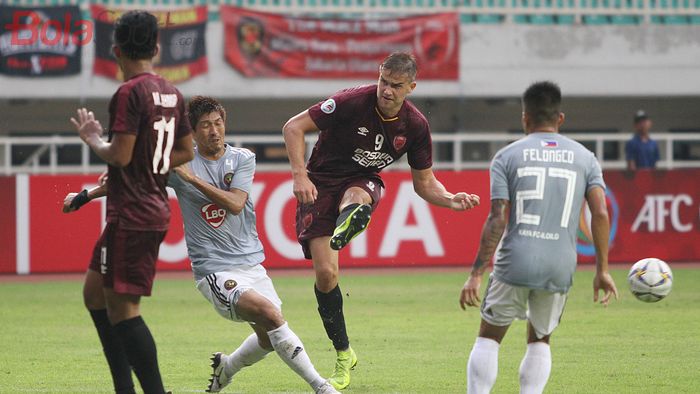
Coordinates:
353	224
346	361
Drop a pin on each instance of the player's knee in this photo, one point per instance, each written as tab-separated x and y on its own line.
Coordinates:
264	342
122	307
93	293
256	309
532	338
271	318
93	299
92	304
268	317
326	278
356	195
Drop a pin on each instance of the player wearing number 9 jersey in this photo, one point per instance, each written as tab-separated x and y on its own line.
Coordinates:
148	135
362	131
538	185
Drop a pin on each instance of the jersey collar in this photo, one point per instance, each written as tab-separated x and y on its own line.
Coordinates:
386	119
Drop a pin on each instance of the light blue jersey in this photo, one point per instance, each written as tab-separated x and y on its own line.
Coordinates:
545	176
216	239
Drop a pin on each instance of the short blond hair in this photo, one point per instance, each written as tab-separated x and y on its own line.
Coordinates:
401	63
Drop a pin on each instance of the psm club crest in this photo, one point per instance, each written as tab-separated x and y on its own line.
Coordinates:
399	142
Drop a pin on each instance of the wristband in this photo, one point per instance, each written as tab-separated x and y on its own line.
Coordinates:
80	199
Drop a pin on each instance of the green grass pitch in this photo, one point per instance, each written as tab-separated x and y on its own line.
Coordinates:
407	329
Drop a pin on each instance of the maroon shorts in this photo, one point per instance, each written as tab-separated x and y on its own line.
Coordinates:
127	259
318	219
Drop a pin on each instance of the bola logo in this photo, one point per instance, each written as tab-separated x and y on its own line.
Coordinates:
213	215
584	236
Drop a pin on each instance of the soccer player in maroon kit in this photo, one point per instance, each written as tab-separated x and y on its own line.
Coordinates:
363	130
149	134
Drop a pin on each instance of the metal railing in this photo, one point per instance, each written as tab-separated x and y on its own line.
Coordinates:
460	151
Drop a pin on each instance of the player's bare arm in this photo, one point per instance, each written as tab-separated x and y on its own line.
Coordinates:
431	190
183	151
117	153
102	179
73	201
490	237
600	227
233	200
294	131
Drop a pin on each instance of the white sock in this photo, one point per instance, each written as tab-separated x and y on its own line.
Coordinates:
482	367
247	354
290	349
535	368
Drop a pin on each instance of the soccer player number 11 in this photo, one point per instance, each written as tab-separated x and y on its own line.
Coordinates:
162	126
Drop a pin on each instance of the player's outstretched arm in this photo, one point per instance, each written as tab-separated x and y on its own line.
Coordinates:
490	237
431	190
600	227
117	153
294	131
73	201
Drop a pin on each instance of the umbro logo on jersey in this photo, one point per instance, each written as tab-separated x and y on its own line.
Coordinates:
213	215
362	131
370	185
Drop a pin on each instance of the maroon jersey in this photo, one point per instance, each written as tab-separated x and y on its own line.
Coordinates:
356	139
151	108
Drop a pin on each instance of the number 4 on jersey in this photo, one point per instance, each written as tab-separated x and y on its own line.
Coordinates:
162	127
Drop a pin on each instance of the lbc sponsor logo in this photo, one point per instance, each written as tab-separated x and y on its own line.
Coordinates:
213	215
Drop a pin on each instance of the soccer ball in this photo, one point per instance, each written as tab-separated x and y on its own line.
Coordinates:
650	279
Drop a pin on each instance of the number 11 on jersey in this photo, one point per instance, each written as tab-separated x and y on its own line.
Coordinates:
162	127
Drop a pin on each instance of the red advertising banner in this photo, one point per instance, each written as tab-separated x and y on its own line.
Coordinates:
653	214
405	229
181	35
8	221
260	44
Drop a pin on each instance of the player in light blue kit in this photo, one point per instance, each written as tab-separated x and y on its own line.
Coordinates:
222	243
538	185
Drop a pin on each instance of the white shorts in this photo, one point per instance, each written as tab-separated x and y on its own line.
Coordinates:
503	303
224	289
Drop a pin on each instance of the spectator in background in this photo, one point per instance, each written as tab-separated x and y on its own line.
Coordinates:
641	151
